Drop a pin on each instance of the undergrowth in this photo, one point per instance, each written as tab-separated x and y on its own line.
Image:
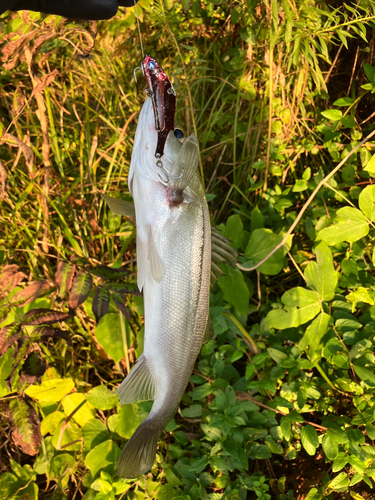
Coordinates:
280	404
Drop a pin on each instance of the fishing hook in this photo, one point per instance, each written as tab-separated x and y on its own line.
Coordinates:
159	164
138	68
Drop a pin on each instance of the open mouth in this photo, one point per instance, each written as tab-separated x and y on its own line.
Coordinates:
163	96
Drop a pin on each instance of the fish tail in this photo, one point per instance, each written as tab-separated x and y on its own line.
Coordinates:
139	453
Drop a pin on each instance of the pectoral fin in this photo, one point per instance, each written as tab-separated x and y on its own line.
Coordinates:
156	263
221	252
119	207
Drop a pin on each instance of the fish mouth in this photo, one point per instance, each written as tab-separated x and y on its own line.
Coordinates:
163	96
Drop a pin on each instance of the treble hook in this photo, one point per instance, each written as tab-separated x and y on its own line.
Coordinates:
135	72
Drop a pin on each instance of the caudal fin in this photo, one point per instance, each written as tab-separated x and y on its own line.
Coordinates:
139	454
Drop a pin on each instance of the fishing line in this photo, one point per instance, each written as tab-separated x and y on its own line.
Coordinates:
139	28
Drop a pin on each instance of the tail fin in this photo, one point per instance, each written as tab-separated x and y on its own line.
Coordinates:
139	454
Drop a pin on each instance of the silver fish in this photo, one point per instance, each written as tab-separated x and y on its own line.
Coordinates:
174	266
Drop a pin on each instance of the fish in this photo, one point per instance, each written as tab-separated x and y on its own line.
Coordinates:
174	248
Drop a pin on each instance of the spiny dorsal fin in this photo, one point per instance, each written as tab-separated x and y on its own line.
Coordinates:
221	251
139	385
119	207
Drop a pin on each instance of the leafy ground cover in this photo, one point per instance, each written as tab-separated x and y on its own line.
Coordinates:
280	404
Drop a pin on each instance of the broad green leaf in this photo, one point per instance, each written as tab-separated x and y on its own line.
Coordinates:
6	364
370	431
313	494
94	433
359	295
370	72
77	400
261	242
321	275
193	411
344	101
339	483
370	166
332	114
366	202
351	226
52	390
64	277
235	289
108	334
313	337
277	355
104	456
301	306
330	447
309	439
51	422
128	420
340	461
366	375
62	467
68	437
102	398
233	230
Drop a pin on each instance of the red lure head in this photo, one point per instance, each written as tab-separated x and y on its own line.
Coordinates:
163	98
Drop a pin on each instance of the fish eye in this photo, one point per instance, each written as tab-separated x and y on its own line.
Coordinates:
151	65
179	133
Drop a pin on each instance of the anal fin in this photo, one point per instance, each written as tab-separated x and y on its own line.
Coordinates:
139	385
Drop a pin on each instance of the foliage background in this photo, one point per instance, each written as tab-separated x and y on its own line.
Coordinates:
280	404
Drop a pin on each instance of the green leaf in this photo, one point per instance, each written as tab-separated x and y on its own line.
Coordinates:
261	242
108	334
277	355
366	375
52	390
321	275
6	364
51	422
344	101
339	483
235	289
352	226
330	447
104	456
370	72
77	400
366	202
313	494
370	166
301	306
94	433
233	230
102	398
70	436
370	431
309	439
313	337
193	411
127	420
340	461
332	114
